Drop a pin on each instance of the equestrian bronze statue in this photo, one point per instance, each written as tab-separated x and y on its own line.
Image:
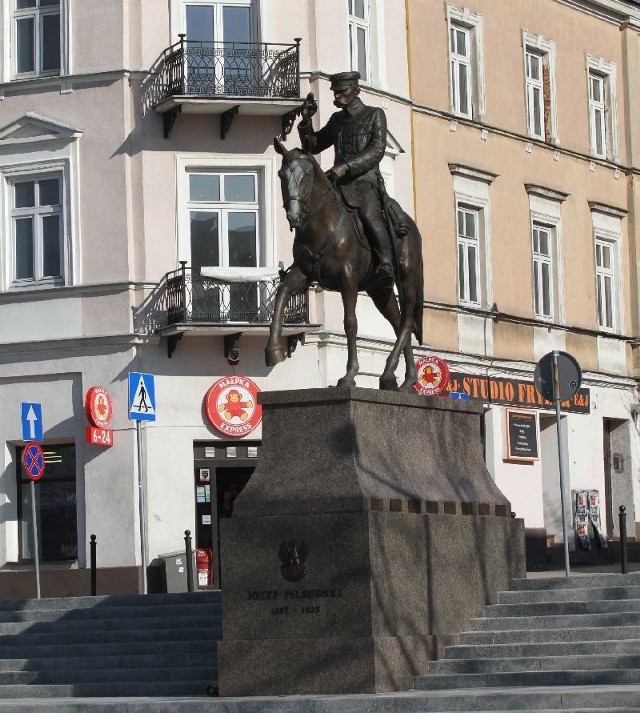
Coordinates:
350	236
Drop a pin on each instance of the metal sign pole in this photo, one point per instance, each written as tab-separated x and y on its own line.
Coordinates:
141	509
36	554
556	397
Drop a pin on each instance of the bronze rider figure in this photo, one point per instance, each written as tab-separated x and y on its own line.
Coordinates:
358	134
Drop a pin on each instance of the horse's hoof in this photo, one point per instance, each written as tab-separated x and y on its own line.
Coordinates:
346	382
407	387
389	384
274	356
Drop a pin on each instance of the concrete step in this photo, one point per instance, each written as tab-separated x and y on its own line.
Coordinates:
555	648
589	699
115	661
102	676
604	677
534	663
111	600
606	606
577	582
112	612
115	624
200	647
581	594
523	636
571	621
95	690
31	637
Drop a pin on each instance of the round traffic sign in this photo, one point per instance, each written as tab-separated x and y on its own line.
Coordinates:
569	376
33	460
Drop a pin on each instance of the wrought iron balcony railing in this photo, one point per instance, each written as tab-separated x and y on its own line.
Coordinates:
226	69
193	298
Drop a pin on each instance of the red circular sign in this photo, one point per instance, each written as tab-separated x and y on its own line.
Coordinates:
97	405
33	460
231	405
433	376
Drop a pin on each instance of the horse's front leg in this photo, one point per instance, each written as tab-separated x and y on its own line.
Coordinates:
349	299
294	283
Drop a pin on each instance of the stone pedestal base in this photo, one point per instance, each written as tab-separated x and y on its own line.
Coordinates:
348	570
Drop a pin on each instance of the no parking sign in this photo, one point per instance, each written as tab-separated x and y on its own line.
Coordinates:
33	460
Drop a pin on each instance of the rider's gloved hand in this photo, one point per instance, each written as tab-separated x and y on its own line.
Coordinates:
338	171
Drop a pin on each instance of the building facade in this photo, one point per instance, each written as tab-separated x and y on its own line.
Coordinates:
142	233
526	157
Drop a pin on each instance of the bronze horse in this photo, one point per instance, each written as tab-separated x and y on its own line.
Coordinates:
330	249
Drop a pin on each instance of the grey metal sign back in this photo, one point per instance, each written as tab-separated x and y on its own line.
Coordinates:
569	376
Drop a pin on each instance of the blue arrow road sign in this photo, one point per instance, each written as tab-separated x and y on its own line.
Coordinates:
142	397
32	429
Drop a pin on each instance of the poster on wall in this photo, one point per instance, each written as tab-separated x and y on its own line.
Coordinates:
522	435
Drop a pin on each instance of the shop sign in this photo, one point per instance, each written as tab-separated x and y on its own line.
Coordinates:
98	407
99	410
433	376
231	405
522	435
513	392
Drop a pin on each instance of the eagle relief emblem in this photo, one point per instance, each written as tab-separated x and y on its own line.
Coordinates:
293	560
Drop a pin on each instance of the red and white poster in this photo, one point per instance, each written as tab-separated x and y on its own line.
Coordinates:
433	376
231	405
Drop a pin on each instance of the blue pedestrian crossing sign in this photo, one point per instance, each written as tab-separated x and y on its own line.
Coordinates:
32	428
142	397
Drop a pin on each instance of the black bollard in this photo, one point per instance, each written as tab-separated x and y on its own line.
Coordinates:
92	546
623	540
189	551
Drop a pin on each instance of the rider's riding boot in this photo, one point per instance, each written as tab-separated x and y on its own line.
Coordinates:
381	245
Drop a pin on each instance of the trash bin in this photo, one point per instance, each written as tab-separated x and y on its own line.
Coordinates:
174	572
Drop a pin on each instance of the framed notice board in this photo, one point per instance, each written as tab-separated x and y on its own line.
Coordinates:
522	435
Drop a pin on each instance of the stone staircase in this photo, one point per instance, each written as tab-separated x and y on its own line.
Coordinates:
118	645
580	631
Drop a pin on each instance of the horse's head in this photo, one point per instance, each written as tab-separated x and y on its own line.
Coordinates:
296	177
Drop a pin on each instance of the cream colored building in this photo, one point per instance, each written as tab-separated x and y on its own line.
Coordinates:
135	137
526	154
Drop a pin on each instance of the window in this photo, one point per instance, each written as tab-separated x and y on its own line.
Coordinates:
471	189
37	228
606	283
218	59
546	251
466	78
539	65
223	218
468	256
56	510
603	133
359	37
36	37
542	271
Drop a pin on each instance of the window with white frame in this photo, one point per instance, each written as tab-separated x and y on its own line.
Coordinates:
606	291
223	211
37	226
603	132
36	38
466	73
545	205
359	37
543	288
540	101
468	239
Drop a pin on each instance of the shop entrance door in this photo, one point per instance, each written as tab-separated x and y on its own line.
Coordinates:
221	471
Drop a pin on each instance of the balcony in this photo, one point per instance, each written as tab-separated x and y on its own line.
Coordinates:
190	302
226	78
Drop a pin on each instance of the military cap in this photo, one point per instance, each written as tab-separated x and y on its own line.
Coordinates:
342	80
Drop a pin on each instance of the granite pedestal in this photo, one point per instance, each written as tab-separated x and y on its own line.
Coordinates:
368	536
